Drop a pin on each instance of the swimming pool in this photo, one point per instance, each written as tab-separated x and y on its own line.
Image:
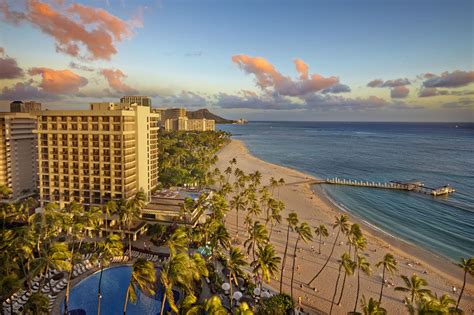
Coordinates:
114	285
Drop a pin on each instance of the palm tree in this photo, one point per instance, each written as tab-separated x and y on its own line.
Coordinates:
266	263
281	182
237	203
321	231
254	210
167	279
37	304
243	309
9	284
220	239
183	271
111	247
275	215
342	225
292	220
109	209
56	256
130	212
228	172
304	233
414	286
364	265
389	264
467	266
353	234
143	278
358	241
213	306
372	307
434	305
235	263
257	235
273	184
177	242
349	267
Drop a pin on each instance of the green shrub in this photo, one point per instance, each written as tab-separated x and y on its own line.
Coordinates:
280	304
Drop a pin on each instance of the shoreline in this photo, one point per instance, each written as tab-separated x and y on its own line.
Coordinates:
405	248
315	207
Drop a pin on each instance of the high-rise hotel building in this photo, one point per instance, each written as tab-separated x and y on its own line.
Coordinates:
138	100
18	153
93	156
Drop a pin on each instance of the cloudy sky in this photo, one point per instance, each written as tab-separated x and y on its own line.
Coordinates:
376	60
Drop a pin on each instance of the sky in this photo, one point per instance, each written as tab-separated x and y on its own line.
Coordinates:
338	60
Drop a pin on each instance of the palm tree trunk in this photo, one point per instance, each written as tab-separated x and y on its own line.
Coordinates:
320	240
284	258
462	290
342	290
327	261
68	285
335	289
99	297
126	301
231	293
293	267
163	303
383	281
237	235
253	250
358	288
343	280
129	244
271	231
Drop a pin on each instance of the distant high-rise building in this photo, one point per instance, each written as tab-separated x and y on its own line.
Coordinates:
173	113
175	119
18	153
139	100
24	107
93	156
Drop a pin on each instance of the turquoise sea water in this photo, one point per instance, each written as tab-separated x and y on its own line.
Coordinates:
435	153
114	285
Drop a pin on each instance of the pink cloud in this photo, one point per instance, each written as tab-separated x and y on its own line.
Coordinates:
400	91
268	77
59	81
302	69
76	27
114	78
454	79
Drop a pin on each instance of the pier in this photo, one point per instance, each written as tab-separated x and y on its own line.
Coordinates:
415	186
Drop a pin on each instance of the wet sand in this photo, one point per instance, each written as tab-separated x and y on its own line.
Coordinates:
313	207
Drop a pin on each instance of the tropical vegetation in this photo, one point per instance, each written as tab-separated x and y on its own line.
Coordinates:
207	254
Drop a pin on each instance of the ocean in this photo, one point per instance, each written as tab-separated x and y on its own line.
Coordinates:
435	153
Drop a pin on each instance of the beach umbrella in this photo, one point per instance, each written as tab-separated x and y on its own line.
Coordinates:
266	294
225	286
256	291
237	295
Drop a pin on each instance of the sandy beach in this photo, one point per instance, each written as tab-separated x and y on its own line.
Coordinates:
314	208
